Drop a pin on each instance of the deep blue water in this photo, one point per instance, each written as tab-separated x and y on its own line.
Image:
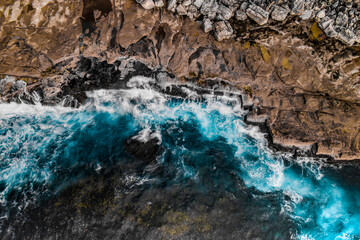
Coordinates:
43	150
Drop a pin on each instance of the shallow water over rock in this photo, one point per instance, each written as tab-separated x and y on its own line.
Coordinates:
139	164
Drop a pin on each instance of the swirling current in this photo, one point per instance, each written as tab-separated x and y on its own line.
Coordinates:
136	163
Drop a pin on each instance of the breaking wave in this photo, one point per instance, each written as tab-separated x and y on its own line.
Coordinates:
43	150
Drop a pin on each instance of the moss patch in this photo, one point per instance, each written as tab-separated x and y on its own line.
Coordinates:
317	33
285	62
48	72
248	90
265	54
246	45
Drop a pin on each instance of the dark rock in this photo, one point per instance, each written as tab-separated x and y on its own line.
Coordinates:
144	150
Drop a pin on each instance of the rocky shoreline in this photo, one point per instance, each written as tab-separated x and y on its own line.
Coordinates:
296	77
338	19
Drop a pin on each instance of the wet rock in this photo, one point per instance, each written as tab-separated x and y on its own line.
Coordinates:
6	85
223	30
144	150
256	13
279	13
18	85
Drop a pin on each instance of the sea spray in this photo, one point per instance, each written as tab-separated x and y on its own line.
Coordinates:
44	150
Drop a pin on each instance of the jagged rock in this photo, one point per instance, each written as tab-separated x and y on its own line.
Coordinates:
198	3
147	4
244	6
320	14
225	12
213	11
228	3
256	13
330	31
159	3
171	5
279	13
223	30
346	36
181	10
19	85
186	3
193	12
206	7
207	25
240	15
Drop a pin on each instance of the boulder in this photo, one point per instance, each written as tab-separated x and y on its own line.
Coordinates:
147	4
297	7
159	3
193	12
306	15
198	3
206	7
224	12
213	11
256	13
279	13
181	10
171	5
207	25
18	85
222	30
240	15
228	3
186	3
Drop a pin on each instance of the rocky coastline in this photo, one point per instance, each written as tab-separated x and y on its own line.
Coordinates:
296	63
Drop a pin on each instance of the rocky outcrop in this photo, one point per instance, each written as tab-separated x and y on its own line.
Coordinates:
303	84
339	19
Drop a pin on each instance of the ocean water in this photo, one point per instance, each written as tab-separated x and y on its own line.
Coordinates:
200	140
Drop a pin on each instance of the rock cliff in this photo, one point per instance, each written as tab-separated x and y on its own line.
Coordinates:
296	62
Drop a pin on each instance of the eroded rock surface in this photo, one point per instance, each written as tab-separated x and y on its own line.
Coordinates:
298	77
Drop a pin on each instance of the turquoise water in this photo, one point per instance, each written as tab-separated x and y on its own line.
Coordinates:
43	150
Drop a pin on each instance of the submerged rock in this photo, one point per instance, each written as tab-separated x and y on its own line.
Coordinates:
145	150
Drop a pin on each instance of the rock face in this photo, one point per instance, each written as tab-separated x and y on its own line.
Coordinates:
295	75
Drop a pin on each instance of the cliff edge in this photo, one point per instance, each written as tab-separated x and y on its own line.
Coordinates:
297	61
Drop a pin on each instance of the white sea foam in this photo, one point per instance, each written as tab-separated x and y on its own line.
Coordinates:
216	116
